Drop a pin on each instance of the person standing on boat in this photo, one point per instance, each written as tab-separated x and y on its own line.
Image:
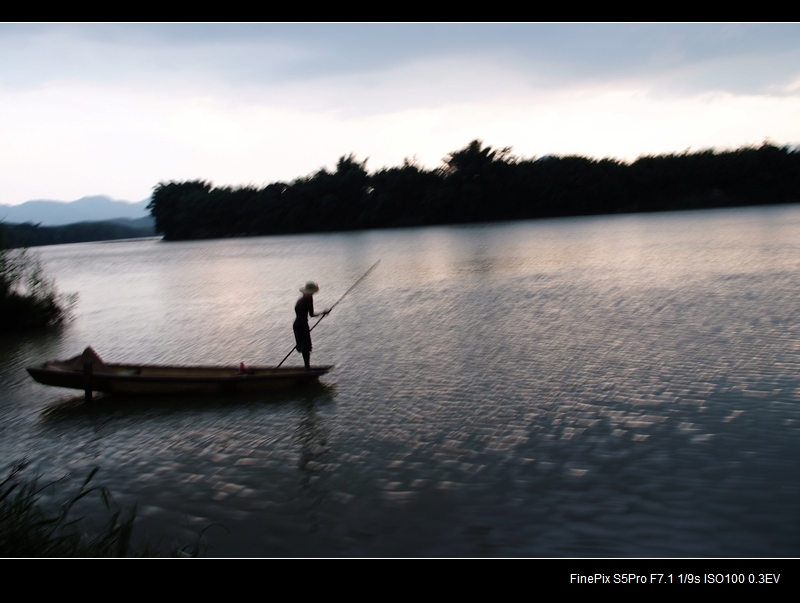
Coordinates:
303	309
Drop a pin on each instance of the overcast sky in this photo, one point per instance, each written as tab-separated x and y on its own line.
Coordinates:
115	109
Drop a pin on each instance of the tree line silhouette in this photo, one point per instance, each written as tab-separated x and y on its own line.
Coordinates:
28	234
477	184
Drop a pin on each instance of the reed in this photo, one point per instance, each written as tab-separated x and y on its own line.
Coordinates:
30	529
28	299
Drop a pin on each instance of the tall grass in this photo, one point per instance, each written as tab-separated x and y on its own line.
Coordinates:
28	529
28	299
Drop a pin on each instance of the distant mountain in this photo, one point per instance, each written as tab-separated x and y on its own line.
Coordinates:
58	213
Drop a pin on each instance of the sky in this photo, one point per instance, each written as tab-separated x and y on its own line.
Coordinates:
114	109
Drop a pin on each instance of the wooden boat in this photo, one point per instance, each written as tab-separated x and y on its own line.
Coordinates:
89	373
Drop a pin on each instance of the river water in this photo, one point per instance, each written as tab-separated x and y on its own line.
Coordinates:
618	386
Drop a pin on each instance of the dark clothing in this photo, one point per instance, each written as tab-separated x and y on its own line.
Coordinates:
302	334
304	307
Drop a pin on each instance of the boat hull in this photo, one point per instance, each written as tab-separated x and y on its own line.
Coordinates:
173	380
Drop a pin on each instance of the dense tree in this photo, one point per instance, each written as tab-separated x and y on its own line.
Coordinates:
476	184
34	235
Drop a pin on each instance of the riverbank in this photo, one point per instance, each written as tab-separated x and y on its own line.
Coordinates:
474	185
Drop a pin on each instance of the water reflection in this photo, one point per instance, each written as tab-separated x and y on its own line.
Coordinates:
70	407
616	386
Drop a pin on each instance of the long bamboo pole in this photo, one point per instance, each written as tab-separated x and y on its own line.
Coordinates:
363	276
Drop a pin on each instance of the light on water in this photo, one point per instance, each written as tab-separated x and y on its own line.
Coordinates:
609	386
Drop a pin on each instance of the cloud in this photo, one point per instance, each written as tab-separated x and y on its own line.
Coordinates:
273	54
114	109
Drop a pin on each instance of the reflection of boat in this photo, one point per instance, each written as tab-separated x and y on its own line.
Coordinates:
89	373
